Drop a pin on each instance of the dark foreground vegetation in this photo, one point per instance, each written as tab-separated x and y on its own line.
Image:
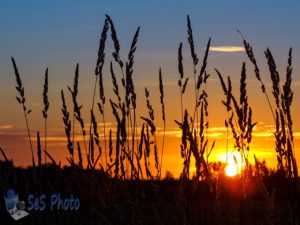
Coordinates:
112	174
106	200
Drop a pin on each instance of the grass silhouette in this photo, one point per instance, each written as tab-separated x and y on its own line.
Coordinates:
119	185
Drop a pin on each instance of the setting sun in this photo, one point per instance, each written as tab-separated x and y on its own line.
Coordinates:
234	165
231	169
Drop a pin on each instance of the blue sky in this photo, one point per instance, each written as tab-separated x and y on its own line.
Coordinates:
61	24
49	32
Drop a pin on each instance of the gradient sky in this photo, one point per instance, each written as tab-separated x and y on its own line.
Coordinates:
58	34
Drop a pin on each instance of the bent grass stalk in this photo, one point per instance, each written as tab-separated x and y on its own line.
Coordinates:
4	155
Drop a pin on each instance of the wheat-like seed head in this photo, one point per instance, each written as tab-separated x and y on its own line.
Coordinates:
116	53
191	41
274	76
67	123
203	67
45	96
149	106
180	65
161	90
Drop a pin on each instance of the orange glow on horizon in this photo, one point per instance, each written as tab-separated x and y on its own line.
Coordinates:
16	146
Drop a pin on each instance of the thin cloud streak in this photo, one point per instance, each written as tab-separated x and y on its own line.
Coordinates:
6	126
227	49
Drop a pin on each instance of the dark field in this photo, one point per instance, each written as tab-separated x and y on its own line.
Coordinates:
107	200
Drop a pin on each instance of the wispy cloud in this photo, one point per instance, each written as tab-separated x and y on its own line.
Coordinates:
215	132
262	134
227	49
5	126
108	124
213	129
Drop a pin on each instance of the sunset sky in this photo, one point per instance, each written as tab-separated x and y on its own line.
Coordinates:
58	34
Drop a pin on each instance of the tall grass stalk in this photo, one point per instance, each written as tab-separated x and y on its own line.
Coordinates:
77	113
74	95
80	163
130	91
202	77
250	54
39	150
129	147
67	123
150	123
4	155
95	137
45	110
198	128
124	128
99	75
182	85
147	148
283	96
240	120
116	53
195	60
190	147
22	101
162	94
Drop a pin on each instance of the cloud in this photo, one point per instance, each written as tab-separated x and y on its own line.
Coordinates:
173	133
57	138
107	124
227	49
5	126
215	132
212	129
262	134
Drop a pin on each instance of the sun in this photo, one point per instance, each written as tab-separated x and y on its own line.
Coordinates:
234	164
231	169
